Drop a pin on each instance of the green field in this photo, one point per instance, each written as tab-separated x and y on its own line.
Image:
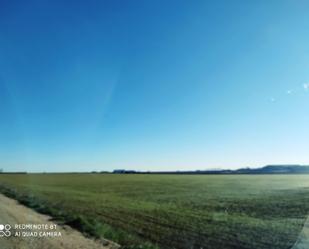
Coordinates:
172	211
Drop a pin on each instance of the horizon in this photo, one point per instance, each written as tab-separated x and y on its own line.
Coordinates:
175	85
3	171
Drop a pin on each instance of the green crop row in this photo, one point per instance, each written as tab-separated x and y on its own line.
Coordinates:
172	211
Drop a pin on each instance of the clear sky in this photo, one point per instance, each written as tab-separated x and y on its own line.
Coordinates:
153	85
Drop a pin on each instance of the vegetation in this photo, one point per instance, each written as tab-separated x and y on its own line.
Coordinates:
172	211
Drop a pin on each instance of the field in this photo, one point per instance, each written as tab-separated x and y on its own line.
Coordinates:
172	211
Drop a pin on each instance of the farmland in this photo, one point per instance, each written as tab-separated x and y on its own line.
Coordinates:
172	211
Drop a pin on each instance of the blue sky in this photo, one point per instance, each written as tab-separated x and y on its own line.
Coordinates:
153	85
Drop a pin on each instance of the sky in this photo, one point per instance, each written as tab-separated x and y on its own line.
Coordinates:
153	85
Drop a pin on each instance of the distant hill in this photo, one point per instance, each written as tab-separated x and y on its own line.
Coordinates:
276	169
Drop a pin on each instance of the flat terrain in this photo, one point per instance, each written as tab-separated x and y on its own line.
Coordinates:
13	213
174	211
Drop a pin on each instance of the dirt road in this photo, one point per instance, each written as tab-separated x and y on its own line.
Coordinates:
303	239
46	237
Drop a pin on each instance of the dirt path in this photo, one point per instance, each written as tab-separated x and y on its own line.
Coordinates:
11	212
303	239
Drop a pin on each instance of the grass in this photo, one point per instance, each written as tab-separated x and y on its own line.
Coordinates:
172	211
